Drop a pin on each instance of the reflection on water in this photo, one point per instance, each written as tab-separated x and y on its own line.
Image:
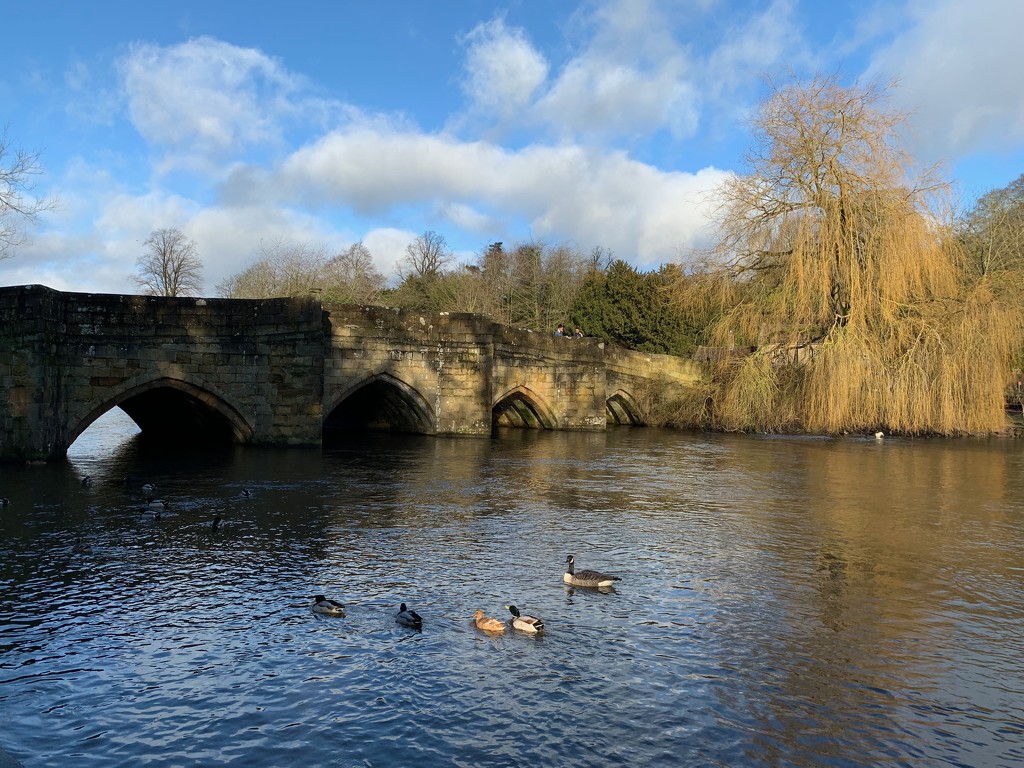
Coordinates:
785	601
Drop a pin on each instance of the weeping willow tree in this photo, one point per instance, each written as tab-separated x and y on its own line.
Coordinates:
834	269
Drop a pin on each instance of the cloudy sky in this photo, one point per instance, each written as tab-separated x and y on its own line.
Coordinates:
595	123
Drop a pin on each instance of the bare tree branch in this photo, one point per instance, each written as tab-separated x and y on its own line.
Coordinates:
19	209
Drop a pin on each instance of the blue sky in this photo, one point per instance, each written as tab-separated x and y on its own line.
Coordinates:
597	123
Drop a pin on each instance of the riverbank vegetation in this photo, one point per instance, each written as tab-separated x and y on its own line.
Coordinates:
843	280
844	292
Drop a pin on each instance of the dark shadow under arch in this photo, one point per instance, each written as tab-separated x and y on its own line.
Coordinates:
621	408
521	408
381	403
173	411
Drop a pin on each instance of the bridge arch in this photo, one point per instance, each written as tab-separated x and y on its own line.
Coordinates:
622	408
521	407
171	409
381	402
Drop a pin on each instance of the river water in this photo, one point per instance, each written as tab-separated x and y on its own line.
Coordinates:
784	602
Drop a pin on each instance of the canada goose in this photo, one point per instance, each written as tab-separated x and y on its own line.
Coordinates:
4	501
86	481
246	493
486	623
149	487
408	618
525	623
327	607
586	578
156	505
215	525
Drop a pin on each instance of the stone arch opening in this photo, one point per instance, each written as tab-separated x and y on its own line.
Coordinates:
382	403
621	409
522	409
174	411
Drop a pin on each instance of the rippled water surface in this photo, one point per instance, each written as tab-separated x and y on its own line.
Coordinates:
784	601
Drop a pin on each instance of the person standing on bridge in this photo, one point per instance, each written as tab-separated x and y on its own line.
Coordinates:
560	330
578	333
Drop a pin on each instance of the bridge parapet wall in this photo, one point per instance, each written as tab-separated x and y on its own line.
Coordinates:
628	364
257	362
462	364
564	375
443	357
628	372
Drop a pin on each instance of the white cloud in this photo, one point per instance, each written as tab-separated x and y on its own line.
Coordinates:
632	78
602	97
629	77
206	96
958	66
470	218
565	193
754	48
125	216
372	170
503	69
387	246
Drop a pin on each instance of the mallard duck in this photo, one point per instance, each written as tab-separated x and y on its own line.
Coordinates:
215	525
586	578
524	623
86	481
408	618
486	623
4	501
81	548
246	493
149	487
327	607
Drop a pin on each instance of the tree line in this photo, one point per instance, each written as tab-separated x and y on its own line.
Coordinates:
528	285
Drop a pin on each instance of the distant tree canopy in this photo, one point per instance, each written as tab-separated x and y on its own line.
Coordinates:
299	269
530	285
634	309
992	234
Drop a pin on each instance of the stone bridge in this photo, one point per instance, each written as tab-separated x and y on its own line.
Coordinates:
294	371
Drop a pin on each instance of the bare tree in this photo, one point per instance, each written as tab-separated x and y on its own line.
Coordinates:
993	233
283	269
425	256
352	278
18	208
170	265
298	269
